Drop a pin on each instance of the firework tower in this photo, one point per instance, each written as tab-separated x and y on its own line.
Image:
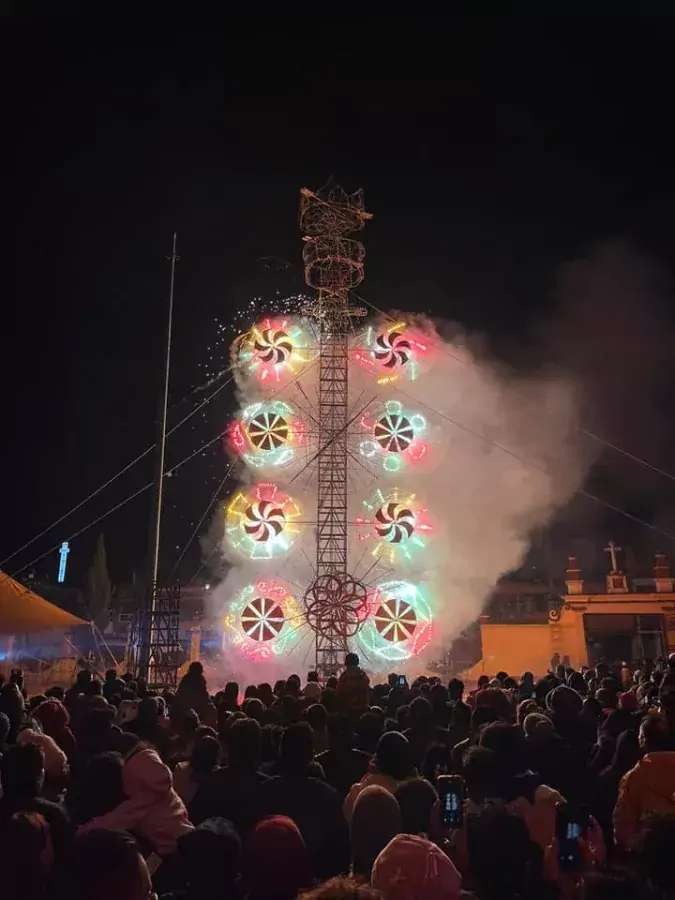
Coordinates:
336	603
328	535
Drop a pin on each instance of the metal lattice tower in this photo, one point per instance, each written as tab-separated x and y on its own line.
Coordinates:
333	266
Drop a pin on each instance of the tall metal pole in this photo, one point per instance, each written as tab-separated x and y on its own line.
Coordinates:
159	496
148	635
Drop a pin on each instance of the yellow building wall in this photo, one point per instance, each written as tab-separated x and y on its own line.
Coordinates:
518	648
514	649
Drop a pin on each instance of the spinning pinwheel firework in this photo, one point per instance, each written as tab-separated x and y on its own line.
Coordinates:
260	525
395	352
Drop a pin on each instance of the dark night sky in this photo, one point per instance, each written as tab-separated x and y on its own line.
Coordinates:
492	151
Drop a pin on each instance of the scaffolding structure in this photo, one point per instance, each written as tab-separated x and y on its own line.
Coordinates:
335	602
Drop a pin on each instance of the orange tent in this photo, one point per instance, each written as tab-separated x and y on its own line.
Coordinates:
23	612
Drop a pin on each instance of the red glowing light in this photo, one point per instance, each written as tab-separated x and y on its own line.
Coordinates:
237	437
418	451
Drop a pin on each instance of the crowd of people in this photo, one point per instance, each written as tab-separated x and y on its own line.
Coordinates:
520	789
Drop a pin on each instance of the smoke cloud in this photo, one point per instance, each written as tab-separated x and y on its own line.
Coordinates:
503	456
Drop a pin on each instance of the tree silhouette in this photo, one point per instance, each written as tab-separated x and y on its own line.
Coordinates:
99	589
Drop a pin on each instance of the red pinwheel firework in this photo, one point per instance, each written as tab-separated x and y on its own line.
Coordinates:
392	349
395	620
262	619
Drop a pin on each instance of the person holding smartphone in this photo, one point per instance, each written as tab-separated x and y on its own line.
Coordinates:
451	794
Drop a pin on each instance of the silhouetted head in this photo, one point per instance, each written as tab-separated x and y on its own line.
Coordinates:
205	755
393	756
297	747
244	743
107	865
455	689
655	734
23	771
416	799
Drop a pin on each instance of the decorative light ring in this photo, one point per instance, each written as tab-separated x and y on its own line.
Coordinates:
262	621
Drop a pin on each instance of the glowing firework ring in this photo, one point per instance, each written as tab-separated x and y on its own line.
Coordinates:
397	524
273	351
264	520
268	431
394	522
394	432
273	346
267	434
261	524
399	624
259	621
392	350
336	604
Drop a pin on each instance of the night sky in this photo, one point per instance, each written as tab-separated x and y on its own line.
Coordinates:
493	152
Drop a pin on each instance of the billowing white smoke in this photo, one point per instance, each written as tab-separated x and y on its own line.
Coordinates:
503	457
508	457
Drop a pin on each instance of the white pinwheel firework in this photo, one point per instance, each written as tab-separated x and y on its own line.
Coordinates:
264	520
273	346
394	432
394	522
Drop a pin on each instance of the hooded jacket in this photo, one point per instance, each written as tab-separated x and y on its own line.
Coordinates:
647	788
54	718
153	810
352	689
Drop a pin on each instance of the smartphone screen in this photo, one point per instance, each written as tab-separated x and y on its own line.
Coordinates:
401	680
571	824
451	794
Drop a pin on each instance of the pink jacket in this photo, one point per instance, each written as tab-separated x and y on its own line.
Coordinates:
153	810
56	764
